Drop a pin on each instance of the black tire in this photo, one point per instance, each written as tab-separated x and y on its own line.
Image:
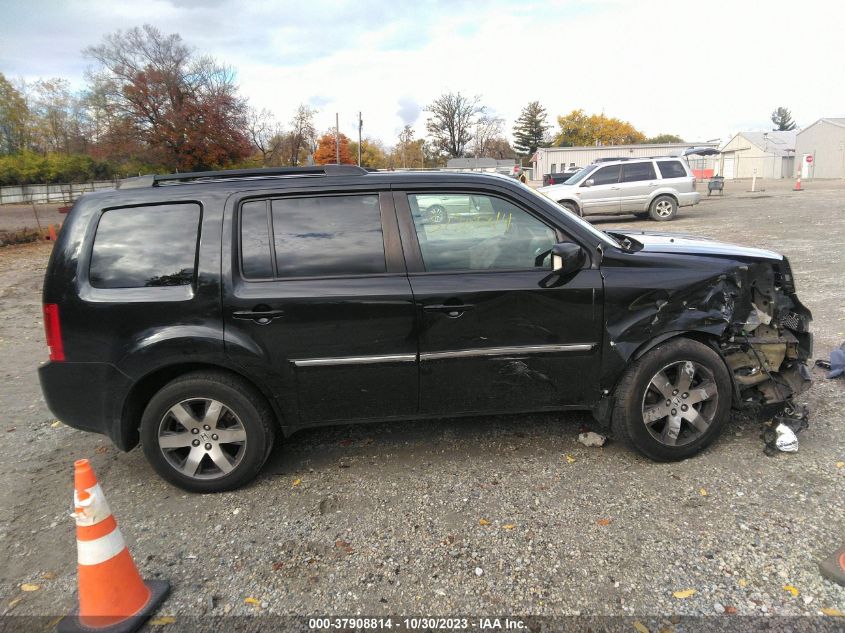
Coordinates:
437	214
636	388
244	412
663	209
643	215
571	207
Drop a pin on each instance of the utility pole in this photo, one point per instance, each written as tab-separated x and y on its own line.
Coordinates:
360	127
337	138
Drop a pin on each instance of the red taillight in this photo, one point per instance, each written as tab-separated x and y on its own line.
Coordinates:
53	331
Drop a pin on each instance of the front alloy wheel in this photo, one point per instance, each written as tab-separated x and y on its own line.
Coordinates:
680	403
673	401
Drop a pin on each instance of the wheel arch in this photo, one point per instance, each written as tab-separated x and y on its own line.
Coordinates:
706	338
127	435
669	194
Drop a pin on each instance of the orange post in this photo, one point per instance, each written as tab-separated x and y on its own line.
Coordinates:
113	597
52	233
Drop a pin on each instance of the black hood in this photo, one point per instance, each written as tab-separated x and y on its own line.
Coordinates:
656	242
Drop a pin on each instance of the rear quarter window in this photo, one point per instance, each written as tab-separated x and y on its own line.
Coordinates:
671	169
148	246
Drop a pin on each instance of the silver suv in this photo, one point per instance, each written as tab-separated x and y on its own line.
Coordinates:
645	187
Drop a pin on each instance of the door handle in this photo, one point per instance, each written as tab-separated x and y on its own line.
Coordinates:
653	184
452	310
260	316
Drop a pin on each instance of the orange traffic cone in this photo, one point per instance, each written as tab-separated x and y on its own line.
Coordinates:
112	596
798	184
833	567
52	232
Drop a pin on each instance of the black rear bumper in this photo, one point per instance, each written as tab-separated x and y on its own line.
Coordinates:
87	396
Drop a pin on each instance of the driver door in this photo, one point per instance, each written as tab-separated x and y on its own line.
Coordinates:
603	195
494	334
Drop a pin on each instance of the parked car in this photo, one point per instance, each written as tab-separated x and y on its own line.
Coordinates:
644	187
559	178
207	316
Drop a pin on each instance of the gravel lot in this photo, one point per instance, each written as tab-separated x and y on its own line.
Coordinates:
399	519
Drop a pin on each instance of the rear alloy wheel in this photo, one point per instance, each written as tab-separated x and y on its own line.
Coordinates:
572	208
207	432
437	214
663	208
673	401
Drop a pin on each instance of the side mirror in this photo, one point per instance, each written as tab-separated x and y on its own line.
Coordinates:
567	257
588	183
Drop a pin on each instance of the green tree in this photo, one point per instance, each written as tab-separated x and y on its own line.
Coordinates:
14	118
580	129
664	138
453	117
782	118
529	131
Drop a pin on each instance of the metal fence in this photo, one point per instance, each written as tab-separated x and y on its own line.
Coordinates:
59	193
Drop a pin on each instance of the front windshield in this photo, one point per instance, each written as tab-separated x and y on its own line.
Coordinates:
604	237
580	174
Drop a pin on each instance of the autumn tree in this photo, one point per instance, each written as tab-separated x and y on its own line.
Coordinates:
14	118
452	119
264	133
326	153
530	129
499	148
487	128
185	108
579	129
782	118
302	138
373	153
57	117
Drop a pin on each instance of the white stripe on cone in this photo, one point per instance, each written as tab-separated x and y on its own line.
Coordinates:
92	510
100	550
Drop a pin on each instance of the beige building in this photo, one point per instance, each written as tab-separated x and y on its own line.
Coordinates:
760	154
824	143
553	160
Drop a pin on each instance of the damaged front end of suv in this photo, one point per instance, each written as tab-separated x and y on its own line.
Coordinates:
739	301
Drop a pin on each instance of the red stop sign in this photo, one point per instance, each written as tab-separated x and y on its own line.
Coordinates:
809	158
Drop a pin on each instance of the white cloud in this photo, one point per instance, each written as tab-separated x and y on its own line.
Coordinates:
701	70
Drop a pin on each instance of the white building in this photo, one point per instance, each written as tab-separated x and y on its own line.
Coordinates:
824	143
553	160
762	154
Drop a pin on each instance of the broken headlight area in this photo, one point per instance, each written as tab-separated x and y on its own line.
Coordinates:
767	352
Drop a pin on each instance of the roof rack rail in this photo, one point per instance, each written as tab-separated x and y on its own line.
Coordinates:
153	180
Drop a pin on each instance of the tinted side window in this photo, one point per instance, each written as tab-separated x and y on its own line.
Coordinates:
605	175
637	171
145	246
476	232
671	169
256	258
328	235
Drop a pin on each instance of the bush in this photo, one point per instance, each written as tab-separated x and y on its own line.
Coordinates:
29	168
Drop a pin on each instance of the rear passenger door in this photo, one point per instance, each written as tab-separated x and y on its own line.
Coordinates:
638	182
318	303
602	196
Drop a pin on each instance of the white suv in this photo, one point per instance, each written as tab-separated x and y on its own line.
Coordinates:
644	187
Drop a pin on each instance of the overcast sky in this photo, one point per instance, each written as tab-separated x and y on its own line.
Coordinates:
701	70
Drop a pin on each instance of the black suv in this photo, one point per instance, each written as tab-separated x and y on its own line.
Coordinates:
206	315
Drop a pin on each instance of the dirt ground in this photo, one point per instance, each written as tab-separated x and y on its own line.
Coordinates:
387	519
